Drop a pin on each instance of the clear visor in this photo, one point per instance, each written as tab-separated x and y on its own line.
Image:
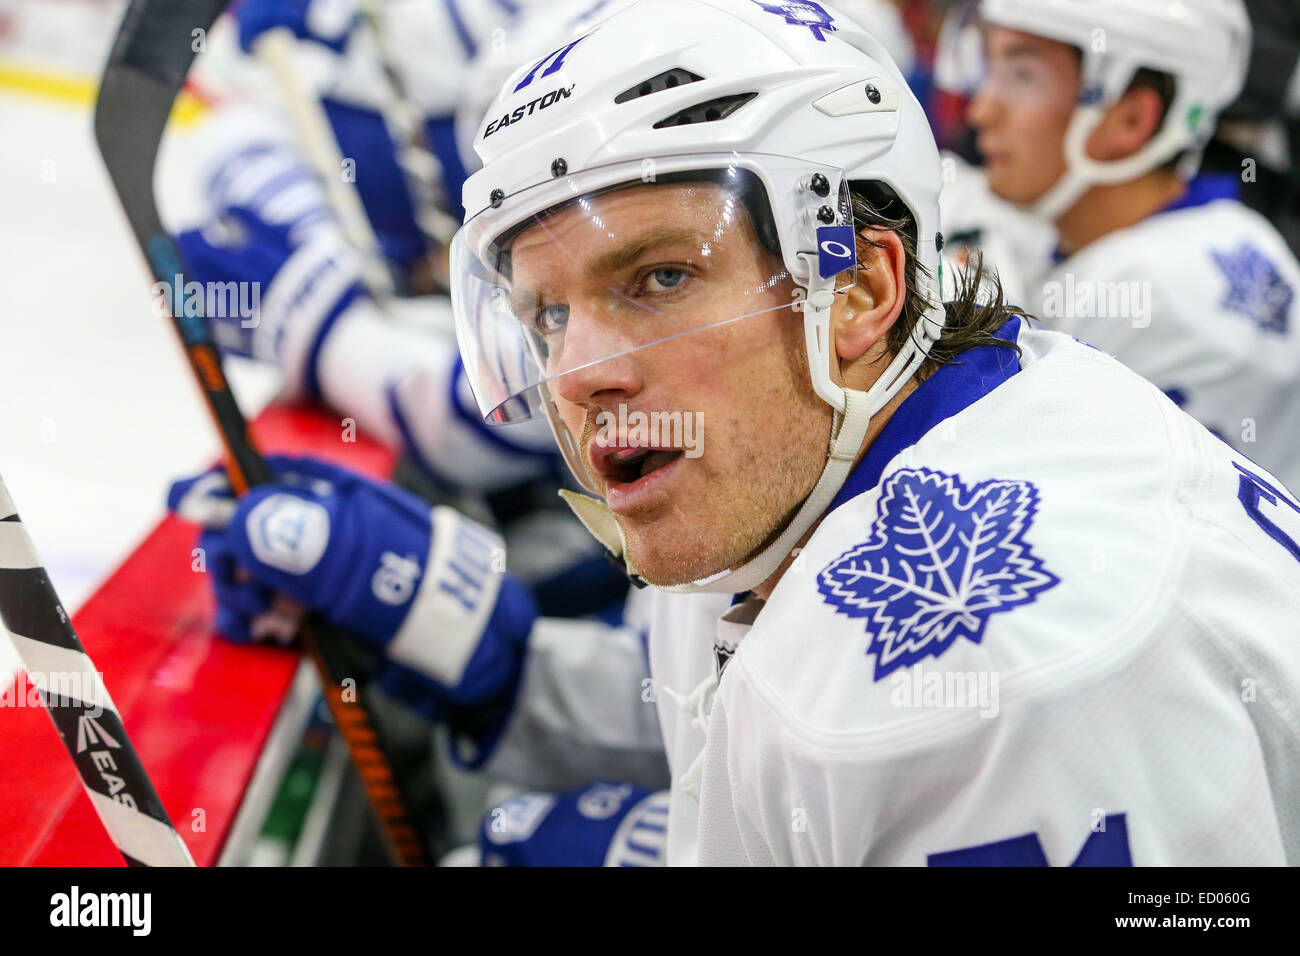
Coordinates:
567	301
1004	65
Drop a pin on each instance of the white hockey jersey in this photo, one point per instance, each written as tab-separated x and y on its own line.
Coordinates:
1201	300
1050	620
1013	242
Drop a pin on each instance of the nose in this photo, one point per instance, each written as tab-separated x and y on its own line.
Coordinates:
597	366
980	111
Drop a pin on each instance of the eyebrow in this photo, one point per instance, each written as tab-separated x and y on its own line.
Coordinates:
624	256
615	260
1023	50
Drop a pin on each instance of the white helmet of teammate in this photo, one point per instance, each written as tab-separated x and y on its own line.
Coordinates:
1203	44
790	101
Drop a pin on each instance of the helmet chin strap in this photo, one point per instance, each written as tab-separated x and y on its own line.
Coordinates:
853	411
1082	172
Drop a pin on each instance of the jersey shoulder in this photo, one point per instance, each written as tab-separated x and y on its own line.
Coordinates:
1031	541
1197	266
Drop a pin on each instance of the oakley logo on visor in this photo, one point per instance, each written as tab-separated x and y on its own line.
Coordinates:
834	250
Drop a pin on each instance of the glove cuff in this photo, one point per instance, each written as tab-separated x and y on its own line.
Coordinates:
319	283
456	599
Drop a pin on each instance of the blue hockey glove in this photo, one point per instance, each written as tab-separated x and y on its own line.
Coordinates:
329	22
605	824
426	587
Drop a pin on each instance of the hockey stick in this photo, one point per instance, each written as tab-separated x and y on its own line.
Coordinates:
424	174
155	45
276	49
77	701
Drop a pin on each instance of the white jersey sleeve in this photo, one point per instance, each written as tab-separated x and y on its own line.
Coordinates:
401	377
1200	301
1059	629
585	709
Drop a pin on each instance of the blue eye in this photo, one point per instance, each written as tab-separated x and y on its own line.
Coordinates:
550	319
666	278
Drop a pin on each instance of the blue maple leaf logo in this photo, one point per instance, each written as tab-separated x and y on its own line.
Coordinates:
941	559
803	13
1256	288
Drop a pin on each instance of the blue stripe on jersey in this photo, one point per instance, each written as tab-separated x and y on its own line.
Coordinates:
1206	188
430	471
489	433
441	133
234	165
462	32
954	387
311	367
1201	189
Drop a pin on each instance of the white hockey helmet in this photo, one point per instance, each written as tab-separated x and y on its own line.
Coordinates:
791	97
538	29
1203	44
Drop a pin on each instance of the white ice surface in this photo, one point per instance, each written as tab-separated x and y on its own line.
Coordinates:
98	412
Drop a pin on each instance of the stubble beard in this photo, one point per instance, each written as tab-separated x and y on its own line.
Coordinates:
742	494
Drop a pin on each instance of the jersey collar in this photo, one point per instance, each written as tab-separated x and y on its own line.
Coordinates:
1206	188
954	387
1202	189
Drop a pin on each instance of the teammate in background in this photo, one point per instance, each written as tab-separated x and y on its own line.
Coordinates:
395	369
906	500
1013	242
1093	115
1259	134
270	223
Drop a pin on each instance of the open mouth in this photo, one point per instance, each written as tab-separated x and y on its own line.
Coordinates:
626	466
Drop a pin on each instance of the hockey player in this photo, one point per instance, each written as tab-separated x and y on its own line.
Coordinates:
270	224
393	366
1013	242
938	587
1093	115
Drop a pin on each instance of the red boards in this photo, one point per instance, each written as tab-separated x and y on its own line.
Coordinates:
198	708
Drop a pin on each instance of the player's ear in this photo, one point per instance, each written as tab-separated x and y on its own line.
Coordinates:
1127	125
864	313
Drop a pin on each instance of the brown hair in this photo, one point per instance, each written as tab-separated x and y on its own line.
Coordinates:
1164	86
977	310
